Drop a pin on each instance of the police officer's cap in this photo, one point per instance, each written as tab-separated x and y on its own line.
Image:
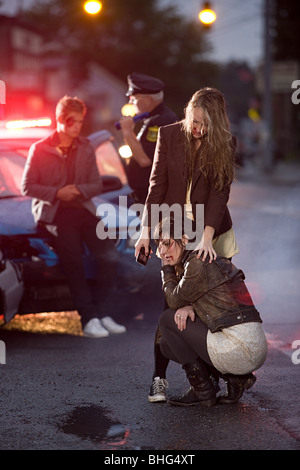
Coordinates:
143	84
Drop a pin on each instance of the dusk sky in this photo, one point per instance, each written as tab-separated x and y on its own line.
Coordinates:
236	35
238	31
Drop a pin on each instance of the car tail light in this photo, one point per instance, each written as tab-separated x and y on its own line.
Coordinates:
28	123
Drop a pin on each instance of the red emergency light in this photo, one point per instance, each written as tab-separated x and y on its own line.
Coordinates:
28	123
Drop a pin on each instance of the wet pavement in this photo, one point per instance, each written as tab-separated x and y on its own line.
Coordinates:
91	422
62	391
69	392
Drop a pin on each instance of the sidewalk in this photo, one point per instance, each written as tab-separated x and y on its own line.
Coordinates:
282	173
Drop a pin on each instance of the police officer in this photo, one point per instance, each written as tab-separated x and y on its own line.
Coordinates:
146	94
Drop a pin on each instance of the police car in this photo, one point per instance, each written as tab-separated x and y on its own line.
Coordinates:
29	263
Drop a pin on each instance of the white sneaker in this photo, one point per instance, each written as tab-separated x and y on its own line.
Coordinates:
111	326
94	329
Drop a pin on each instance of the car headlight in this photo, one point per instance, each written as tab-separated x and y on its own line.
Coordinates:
125	151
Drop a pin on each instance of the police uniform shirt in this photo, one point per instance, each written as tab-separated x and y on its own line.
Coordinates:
138	177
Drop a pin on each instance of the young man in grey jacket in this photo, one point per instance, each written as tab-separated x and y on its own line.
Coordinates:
61	176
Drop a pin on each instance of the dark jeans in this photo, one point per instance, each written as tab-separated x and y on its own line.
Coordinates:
183	346
73	227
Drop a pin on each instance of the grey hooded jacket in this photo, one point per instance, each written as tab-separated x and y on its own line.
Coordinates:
45	173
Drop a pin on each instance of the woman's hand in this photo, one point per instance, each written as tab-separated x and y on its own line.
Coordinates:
205	246
206	249
143	240
181	316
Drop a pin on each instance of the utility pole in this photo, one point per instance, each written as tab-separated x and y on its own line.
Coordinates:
267	99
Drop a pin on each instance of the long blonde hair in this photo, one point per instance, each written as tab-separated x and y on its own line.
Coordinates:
215	156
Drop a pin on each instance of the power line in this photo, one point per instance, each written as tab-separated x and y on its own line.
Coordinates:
231	13
235	23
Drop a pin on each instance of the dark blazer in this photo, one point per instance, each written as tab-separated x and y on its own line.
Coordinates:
168	183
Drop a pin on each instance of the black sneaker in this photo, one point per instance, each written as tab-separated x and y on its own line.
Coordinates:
158	390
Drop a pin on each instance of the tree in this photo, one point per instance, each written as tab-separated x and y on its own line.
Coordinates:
130	36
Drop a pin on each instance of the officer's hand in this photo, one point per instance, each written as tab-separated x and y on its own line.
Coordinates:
126	124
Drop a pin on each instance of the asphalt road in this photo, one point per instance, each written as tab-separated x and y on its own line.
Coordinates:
62	391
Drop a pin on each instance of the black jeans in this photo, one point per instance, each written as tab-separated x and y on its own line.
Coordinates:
75	227
183	346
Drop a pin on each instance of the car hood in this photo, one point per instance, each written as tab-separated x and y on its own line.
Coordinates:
16	217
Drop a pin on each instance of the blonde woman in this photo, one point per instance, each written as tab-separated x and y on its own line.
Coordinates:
194	163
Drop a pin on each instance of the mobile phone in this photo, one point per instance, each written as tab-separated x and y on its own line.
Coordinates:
142	258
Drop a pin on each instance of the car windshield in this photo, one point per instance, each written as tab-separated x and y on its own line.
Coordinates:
13	157
11	171
108	161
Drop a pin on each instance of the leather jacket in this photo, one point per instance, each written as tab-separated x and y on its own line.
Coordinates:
216	291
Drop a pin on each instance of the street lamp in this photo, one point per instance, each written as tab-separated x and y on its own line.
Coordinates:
92	7
207	16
